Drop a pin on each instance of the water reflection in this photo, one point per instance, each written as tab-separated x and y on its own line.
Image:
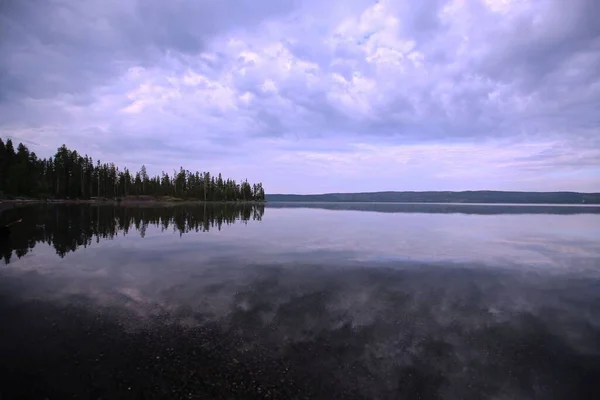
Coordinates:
229	329
68	227
298	306
445	208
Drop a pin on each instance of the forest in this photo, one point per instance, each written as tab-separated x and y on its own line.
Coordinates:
69	175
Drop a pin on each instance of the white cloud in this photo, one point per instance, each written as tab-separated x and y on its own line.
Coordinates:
451	90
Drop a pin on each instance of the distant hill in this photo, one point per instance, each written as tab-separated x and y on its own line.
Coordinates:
479	196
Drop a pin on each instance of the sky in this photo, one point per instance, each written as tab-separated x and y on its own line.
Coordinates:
313	96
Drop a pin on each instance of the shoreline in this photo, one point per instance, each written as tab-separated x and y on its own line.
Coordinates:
136	202
176	201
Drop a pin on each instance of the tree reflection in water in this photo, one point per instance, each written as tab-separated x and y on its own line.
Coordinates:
69	227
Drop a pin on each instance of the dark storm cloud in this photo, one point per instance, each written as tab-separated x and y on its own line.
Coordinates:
52	47
532	50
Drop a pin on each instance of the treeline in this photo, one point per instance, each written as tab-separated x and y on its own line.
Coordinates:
69	227
69	175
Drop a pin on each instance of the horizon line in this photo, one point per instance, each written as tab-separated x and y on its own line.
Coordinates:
432	191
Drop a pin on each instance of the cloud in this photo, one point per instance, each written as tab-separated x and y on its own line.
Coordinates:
298	91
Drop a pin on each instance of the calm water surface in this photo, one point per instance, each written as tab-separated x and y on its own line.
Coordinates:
378	301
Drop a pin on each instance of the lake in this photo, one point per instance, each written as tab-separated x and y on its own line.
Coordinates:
319	301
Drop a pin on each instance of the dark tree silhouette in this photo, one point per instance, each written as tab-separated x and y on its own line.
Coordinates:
69	175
